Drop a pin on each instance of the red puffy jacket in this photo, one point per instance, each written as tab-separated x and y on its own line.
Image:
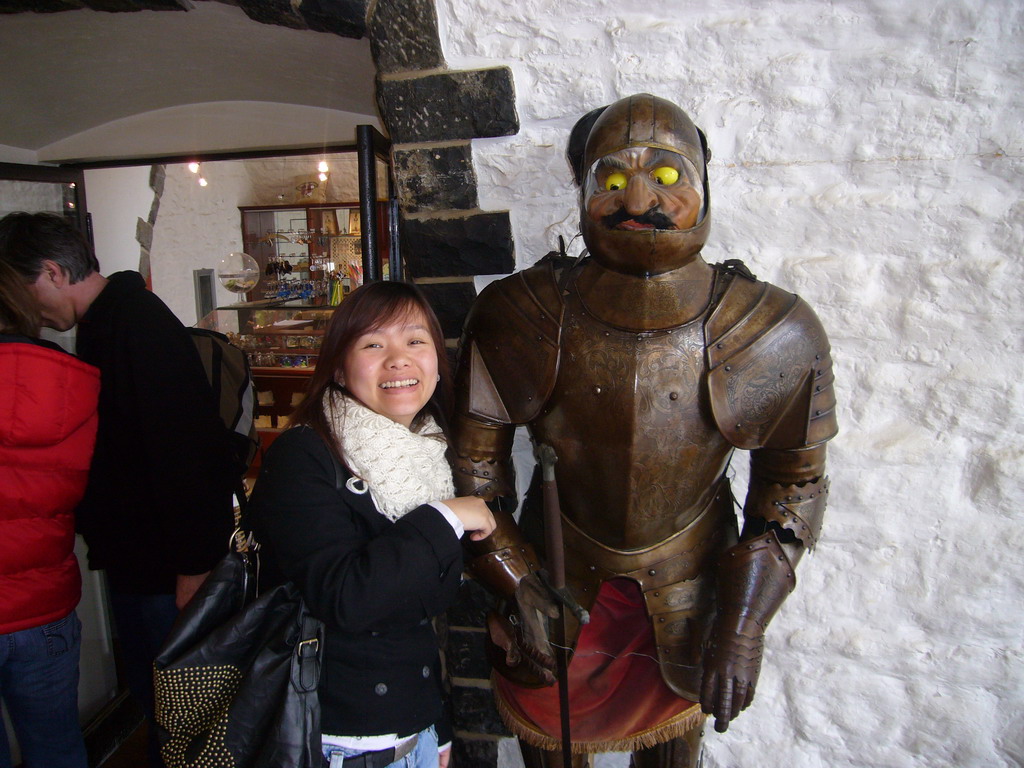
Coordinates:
47	431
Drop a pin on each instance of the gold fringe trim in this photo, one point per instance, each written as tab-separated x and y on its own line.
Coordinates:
673	728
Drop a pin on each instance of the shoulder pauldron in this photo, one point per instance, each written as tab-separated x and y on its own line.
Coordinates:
770	372
509	356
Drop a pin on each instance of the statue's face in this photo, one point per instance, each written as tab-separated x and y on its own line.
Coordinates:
641	189
644	206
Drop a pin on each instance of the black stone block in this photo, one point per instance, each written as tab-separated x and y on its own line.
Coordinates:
466	655
452	106
435	178
474	753
340	17
403	36
116	6
53	6
453	357
279	12
40	6
451	303
470	245
471	605
474	711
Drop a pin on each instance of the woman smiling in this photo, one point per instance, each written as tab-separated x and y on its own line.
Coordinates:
355	505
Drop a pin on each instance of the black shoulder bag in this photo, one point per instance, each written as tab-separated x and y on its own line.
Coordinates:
236	680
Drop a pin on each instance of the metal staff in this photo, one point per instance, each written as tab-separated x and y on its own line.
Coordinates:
554	580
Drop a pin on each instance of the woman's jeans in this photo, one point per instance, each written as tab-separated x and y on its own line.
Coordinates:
423	755
39	685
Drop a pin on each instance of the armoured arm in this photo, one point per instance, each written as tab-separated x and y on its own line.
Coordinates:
783	513
772	392
483	467
504	561
507	368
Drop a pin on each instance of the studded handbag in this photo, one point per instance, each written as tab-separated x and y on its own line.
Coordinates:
236	681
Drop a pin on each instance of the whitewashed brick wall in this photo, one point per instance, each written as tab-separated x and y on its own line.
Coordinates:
868	156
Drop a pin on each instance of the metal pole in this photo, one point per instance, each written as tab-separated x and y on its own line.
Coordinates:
395	250
368	202
555	551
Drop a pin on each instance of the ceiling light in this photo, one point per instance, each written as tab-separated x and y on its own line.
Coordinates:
323	176
194	167
322	167
202	182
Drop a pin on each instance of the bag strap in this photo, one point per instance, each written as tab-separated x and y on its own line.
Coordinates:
339	473
309	651
242	532
306	662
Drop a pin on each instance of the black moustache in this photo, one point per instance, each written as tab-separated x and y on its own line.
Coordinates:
654	217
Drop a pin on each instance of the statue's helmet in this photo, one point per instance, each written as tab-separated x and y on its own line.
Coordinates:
642	171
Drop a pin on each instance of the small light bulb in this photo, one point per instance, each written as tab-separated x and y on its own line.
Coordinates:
323	177
194	167
322	167
202	182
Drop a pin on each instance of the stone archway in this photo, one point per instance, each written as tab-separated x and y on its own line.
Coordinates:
431	114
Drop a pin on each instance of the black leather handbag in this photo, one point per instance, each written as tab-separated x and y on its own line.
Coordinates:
236	679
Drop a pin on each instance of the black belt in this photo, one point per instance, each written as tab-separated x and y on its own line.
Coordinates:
380	758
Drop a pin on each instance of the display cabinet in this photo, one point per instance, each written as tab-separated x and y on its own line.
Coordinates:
312	253
308	258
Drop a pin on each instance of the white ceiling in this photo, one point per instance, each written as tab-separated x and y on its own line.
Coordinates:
88	85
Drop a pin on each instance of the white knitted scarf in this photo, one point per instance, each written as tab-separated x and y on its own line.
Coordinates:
403	469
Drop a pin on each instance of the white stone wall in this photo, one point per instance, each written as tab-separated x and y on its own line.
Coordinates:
117	198
195	228
868	156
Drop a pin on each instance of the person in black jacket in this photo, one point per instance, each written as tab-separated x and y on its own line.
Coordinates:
354	504
157	512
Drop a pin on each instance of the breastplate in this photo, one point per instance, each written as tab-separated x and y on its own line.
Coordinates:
638	452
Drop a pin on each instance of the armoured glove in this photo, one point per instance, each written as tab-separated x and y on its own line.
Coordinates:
731	671
518	632
521	633
754	578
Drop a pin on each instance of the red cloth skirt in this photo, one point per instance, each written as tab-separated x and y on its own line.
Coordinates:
617	699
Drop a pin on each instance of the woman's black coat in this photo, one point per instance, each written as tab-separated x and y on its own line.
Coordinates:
375	584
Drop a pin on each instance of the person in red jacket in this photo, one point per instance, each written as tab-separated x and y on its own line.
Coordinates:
47	431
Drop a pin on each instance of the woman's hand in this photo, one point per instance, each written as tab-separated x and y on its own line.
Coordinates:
474	515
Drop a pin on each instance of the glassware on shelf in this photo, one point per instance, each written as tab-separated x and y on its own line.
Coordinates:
238	272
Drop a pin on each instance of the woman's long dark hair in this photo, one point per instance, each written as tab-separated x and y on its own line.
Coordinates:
366	309
18	311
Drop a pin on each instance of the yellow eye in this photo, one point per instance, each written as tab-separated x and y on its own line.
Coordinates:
666	175
615	182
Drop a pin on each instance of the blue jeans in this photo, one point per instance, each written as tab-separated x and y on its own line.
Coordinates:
143	622
423	755
39	685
